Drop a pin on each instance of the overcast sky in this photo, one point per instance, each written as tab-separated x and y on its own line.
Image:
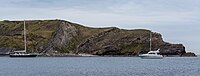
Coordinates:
177	20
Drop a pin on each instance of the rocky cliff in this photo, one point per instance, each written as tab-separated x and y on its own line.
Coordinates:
59	36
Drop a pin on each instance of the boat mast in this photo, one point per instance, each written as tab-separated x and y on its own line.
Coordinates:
24	36
150	40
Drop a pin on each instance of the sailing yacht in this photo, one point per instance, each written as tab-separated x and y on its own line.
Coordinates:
23	53
151	54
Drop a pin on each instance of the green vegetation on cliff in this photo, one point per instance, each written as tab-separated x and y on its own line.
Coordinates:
59	36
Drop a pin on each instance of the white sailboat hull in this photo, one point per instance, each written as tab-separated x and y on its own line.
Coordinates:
23	55
147	56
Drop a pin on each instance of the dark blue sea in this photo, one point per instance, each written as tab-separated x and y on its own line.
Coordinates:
99	66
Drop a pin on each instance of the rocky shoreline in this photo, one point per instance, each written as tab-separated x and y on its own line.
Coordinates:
89	55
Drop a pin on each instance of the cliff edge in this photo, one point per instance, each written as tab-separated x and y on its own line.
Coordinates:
60	37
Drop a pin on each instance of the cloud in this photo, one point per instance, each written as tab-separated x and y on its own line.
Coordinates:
176	20
123	13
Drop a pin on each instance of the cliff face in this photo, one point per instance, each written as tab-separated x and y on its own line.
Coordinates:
58	36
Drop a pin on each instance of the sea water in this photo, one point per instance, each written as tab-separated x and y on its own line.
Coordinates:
99	66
